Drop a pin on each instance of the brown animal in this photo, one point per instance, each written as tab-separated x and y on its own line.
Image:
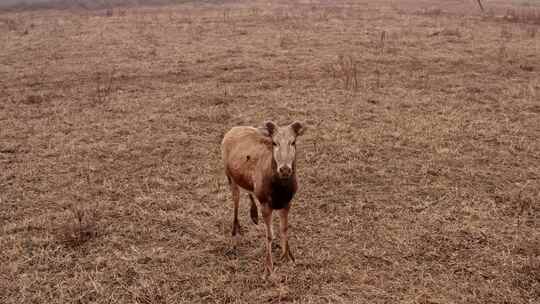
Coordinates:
262	161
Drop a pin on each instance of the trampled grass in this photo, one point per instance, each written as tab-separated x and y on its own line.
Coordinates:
419	173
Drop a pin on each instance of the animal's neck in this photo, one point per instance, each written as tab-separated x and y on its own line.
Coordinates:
283	182
283	189
282	192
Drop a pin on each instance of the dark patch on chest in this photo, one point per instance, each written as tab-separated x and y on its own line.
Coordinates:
282	193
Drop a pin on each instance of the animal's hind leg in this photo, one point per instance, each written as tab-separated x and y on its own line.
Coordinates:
253	211
236	200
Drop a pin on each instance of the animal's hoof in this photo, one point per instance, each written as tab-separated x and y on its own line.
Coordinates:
232	251
287	257
272	277
269	275
255	219
254	215
268	269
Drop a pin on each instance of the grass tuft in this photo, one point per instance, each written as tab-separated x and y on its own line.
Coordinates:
81	226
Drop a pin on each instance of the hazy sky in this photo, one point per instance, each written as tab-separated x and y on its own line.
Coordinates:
21	1
97	2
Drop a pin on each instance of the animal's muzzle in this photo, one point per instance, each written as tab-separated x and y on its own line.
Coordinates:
285	171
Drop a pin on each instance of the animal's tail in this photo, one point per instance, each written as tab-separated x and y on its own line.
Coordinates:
253	212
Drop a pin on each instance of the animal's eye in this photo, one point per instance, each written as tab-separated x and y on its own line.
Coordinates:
274	144
293	143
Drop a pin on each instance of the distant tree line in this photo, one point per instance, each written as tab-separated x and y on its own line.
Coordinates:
19	5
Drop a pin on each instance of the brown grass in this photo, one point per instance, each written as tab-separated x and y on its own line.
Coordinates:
419	184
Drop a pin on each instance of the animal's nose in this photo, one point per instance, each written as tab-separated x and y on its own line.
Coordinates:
285	170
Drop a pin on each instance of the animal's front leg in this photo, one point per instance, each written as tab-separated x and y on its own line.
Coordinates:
283	229
267	216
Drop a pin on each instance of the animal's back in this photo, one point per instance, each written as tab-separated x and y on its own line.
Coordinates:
243	149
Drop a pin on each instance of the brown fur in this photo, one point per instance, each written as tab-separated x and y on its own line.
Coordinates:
247	154
249	160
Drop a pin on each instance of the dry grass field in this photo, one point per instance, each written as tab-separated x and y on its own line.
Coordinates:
419	174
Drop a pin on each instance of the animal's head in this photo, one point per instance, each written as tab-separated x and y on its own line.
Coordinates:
284	146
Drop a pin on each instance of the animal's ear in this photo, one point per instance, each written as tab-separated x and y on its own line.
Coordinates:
270	127
298	128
